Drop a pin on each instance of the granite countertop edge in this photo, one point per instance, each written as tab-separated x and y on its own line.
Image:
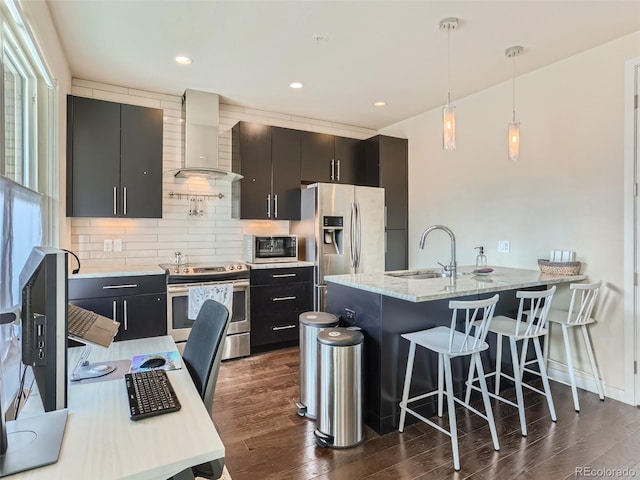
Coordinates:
118	272
501	279
264	266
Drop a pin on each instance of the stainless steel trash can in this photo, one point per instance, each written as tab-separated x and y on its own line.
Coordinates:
311	324
339	419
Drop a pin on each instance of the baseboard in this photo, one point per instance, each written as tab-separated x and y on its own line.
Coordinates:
557	371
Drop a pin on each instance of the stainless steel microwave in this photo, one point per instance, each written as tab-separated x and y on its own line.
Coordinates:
270	249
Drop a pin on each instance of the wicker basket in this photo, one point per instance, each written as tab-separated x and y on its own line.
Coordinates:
559	268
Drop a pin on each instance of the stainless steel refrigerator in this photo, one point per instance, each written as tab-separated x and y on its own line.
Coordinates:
342	231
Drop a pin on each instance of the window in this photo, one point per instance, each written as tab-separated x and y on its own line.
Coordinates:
25	206
19	95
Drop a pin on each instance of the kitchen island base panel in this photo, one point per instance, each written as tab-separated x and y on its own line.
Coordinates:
383	319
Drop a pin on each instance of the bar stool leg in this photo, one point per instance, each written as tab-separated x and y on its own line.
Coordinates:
440	382
407	384
452	412
545	379
592	361
498	364
523	356
572	374
476	360
518	381
472	371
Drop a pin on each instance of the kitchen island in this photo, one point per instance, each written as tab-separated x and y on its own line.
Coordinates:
385	305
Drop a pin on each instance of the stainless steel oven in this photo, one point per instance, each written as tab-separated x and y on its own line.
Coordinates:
180	278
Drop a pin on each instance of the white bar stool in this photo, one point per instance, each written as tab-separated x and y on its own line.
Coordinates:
535	306
447	343
583	297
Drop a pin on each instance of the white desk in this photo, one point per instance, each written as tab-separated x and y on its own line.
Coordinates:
101	442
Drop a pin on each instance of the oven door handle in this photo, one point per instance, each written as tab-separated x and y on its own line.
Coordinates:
178	289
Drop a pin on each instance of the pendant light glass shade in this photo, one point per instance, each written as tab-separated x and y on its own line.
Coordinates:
514	127
449	127
514	141
449	111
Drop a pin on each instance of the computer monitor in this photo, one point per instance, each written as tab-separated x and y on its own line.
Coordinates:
43	283
35	441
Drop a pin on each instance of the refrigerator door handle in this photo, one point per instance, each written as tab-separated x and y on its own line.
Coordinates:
359	235
352	232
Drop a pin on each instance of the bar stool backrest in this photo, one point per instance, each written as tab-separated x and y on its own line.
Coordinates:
585	294
475	328
536	304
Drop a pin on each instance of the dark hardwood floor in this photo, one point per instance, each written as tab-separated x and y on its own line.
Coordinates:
255	414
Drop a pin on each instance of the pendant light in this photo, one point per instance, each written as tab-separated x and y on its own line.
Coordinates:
449	111
514	127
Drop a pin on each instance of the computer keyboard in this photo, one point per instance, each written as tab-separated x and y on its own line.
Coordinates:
150	393
79	320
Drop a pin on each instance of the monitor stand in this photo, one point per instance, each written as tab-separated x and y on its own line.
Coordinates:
33	442
85	370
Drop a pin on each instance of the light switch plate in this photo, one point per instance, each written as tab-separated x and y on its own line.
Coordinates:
504	246
117	244
108	245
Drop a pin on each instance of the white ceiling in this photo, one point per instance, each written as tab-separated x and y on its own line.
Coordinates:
249	51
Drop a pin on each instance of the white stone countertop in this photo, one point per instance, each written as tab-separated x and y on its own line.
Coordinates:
466	283
119	271
262	266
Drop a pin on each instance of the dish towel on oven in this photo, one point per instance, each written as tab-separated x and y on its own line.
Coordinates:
222	293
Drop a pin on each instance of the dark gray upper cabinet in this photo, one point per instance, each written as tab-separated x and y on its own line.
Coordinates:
327	158
114	159
386	161
285	173
269	159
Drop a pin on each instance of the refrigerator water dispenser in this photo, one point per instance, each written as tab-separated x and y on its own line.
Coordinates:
332	235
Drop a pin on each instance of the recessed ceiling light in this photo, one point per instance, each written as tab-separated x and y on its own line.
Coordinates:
295	85
183	60
379	104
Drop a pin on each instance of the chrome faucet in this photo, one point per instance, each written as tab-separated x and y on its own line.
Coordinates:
451	268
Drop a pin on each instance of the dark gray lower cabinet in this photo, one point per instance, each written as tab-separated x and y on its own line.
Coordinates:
278	297
139	303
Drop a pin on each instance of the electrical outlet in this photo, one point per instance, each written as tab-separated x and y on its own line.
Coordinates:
350	314
117	244
108	245
504	246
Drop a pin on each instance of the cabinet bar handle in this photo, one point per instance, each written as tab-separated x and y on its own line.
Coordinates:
125	196
275	206
280	299
126	322
338	179
114	312
115	200
333	170
283	275
268	205
127	285
284	327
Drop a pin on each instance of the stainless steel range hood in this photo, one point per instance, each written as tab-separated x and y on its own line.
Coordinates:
201	137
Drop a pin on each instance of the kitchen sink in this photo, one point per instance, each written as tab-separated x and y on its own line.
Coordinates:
417	274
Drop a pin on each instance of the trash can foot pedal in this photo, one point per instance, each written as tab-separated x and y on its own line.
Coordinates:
322	439
302	409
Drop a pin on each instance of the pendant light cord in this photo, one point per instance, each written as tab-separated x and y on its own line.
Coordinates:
514	88
449	66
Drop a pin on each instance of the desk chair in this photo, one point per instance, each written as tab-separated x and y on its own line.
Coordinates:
202	356
534	305
449	343
578	315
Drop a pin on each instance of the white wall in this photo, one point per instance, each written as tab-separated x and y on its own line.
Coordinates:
215	236
565	192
